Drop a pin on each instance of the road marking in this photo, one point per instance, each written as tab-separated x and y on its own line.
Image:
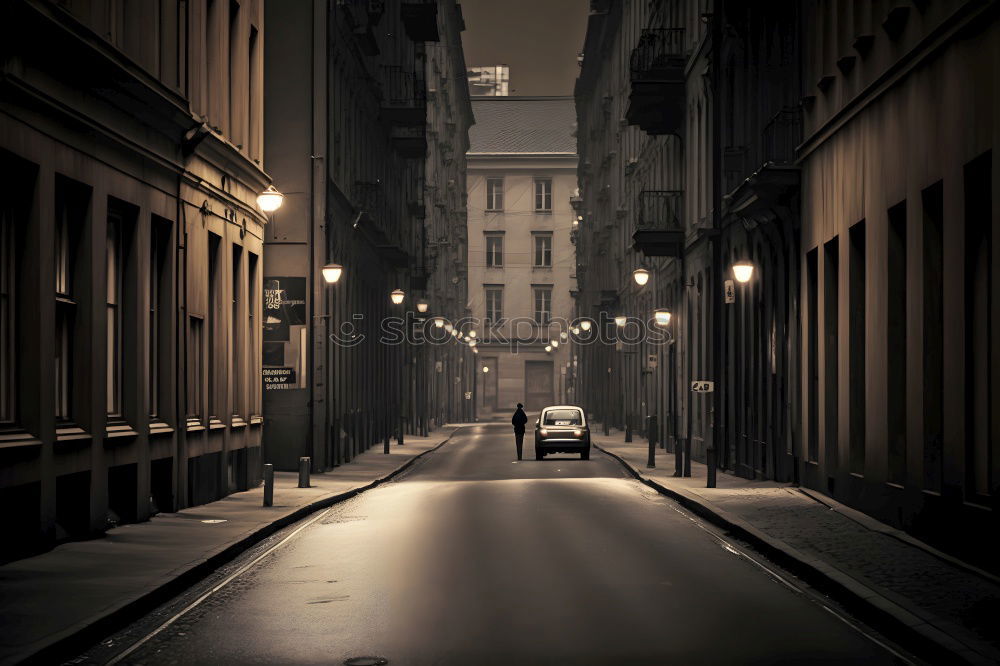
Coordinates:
194	604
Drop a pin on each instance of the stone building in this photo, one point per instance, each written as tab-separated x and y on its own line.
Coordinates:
900	407
846	152
358	123
131	145
522	172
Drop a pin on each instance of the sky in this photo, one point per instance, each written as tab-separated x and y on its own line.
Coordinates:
538	39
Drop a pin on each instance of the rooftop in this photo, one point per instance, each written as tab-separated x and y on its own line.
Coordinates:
523	125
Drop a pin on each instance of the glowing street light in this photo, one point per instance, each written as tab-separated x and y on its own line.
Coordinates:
270	199
472	343
585	324
742	271
641	276
397	296
620	320
439	322
421	305
486	369
548	348
472	333
332	272
662	316
563	336
554	343
576	330
449	327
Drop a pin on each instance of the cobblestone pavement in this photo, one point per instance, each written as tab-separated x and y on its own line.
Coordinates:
955	599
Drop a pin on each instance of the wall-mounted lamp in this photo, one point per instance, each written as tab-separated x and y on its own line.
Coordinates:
332	273
270	199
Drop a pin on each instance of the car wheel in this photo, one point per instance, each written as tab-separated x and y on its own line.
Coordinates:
585	455
538	454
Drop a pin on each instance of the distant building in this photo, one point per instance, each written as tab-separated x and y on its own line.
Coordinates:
491	81
522	173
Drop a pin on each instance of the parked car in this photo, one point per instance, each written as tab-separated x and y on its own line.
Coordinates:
562	429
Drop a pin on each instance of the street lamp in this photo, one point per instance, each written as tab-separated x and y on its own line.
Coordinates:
448	327
662	316
472	333
439	322
641	276
548	348
743	271
585	324
270	199
421	305
563	336
620	320
554	343
472	343
486	368
576	330
397	296
332	272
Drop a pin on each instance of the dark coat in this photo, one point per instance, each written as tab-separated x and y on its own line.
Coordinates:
519	419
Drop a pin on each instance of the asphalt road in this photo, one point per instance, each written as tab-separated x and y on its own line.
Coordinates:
473	558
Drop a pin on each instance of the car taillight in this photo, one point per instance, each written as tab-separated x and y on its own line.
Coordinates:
578	432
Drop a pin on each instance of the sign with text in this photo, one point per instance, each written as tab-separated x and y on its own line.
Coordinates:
279	378
702	386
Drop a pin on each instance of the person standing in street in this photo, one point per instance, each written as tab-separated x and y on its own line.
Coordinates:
518	421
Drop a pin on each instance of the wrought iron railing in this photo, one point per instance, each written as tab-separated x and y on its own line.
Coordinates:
781	135
660	210
402	88
657	52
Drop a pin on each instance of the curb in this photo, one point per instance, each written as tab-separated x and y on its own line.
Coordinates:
874	609
76	640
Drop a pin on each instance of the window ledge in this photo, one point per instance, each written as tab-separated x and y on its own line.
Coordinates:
119	429
215	424
256	419
69	433
159	428
16	437
541	268
238	422
194	425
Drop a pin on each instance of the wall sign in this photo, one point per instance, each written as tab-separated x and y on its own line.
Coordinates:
702	386
279	378
284	338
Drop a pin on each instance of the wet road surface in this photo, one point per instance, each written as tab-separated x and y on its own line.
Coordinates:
471	558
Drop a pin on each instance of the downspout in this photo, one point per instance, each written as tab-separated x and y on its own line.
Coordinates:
715	416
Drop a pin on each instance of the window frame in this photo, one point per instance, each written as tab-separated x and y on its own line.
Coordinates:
491	253
541	252
492	195
496	291
543	195
542	315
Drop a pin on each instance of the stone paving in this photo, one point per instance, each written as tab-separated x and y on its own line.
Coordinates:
956	599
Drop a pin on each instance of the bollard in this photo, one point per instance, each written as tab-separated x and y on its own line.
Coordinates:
268	484
385	442
678	457
651	436
628	427
402	427
606	431
304	463
687	456
710	467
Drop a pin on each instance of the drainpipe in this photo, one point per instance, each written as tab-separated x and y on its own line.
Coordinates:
715	298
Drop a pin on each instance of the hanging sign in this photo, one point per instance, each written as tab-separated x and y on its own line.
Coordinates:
702	386
730	292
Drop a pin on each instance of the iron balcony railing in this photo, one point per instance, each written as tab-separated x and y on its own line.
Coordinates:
657	54
402	88
781	135
660	210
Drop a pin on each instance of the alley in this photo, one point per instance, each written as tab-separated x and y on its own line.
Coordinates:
473	558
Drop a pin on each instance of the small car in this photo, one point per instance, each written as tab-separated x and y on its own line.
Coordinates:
563	429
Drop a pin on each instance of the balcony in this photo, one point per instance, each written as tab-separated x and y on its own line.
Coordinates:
774	186
656	101
404	97
659	230
420	20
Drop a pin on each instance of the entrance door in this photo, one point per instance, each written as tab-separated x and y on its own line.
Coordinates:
537	384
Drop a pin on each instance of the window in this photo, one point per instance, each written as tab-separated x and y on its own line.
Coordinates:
494	304
494	194
856	348
72	203
543	250
831	341
8	273
236	371
543	305
159	315
896	344
494	250
253	128
543	195
933	298
812	355
115	279
566	417
214	325
255	375
195	365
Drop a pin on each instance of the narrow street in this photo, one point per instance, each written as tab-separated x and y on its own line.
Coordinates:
473	558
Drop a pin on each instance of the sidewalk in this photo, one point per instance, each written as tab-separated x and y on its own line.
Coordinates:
939	607
64	600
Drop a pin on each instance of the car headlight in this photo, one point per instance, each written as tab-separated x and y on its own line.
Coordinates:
543	432
578	432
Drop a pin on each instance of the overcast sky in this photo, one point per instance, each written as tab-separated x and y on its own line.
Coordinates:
538	39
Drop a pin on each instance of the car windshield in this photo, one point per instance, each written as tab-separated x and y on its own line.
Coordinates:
560	417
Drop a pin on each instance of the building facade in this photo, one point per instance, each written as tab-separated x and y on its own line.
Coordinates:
489	81
846	152
900	408
522	173
358	126
131	249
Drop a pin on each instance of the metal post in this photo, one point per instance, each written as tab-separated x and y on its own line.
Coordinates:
678	457
651	435
268	484
304	463
628	426
710	453
385	441
687	456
